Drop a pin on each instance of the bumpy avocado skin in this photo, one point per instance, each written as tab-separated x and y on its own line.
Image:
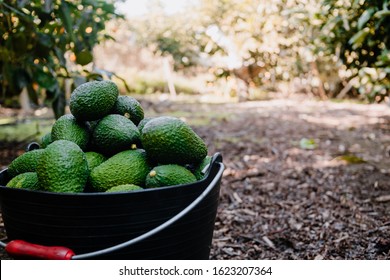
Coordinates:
124	188
126	167
46	140
198	171
63	168
94	159
26	162
28	180
93	100
129	107
68	128
143	123
113	134
169	175
170	140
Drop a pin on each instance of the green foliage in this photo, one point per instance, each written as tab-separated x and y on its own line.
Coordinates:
25	132
307	144
175	36
358	32
40	40
267	37
329	44
264	39
351	159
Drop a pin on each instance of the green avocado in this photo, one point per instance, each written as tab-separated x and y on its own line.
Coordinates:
68	128
113	134
46	140
142	123
169	140
94	159
93	100
198	170
26	162
28	180
129	107
169	175
126	167
63	168
124	188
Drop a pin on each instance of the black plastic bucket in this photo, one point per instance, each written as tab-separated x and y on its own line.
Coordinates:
175	222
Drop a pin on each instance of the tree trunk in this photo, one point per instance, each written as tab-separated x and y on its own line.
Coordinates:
25	103
321	89
168	77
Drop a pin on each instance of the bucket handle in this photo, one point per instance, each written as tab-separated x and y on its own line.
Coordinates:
22	248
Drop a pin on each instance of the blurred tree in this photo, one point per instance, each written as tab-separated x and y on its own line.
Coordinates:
40	41
265	41
358	34
329	46
176	36
255	42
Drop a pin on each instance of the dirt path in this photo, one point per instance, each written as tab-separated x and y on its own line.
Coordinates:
284	197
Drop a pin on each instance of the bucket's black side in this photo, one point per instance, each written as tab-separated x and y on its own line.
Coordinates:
188	238
90	222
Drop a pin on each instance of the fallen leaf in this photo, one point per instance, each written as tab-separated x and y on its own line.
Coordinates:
351	159
307	144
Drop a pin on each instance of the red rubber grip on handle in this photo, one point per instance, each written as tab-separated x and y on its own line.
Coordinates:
20	248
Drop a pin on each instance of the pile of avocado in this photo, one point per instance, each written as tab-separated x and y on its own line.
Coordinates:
106	145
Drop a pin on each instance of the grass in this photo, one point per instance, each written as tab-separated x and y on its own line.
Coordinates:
200	118
30	130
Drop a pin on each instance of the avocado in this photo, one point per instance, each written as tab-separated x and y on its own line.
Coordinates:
68	128
142	124
93	100
168	175
63	168
27	180
126	167
26	162
113	134
124	188
46	140
129	107
198	169
170	140
94	159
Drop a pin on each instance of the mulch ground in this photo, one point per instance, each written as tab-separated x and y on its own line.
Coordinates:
283	199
